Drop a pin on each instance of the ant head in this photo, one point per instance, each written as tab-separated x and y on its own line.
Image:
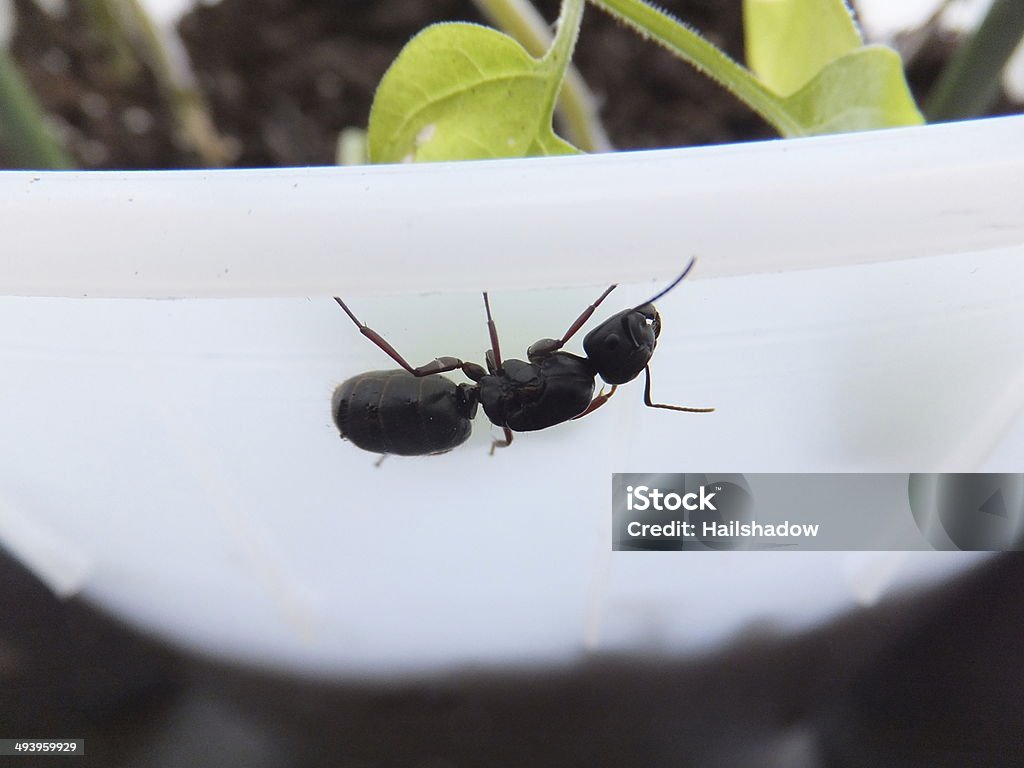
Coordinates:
622	346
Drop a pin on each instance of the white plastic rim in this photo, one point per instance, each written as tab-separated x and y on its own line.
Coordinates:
497	225
176	459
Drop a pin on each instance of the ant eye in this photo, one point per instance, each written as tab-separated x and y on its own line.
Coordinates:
611	343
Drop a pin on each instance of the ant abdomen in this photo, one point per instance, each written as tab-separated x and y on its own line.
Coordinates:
396	412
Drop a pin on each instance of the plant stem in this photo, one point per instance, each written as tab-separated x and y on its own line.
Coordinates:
351	147
685	43
576	104
106	24
176	80
129	31
969	84
559	54
26	138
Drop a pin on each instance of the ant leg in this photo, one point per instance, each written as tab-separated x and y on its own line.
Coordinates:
440	365
649	404
547	346
585	315
495	363
499	443
598	401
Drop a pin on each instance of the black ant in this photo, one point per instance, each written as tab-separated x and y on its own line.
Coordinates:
415	411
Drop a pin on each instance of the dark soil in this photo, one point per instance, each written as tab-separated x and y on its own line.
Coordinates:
283	77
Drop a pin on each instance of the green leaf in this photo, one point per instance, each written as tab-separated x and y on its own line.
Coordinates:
843	87
463	92
789	41
810	53
862	90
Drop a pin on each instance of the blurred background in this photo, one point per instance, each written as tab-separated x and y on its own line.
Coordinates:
930	677
162	84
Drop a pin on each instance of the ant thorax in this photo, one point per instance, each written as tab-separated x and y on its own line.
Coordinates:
526	396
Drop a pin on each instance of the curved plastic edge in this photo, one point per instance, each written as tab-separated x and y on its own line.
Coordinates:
496	225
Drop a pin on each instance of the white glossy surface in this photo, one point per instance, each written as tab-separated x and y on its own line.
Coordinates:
537	223
177	458
185	448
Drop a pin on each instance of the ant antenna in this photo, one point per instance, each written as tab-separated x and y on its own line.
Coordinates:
671	285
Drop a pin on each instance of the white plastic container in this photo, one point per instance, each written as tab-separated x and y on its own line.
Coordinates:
177	461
